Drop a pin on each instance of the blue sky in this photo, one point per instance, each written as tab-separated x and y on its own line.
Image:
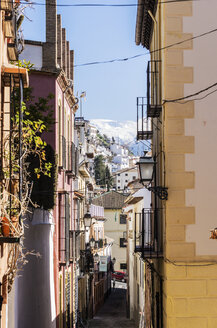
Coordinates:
98	34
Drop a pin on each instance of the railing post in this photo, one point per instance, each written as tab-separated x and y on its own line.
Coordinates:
143	224
135	234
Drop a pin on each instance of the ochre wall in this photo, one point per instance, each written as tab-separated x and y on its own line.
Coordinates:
190	275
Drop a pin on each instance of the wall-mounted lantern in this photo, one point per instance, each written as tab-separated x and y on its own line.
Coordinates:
87	220
147	169
92	242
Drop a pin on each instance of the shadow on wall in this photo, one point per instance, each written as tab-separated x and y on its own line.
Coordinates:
35	298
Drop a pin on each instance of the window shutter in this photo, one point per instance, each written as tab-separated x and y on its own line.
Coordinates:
67	227
62	228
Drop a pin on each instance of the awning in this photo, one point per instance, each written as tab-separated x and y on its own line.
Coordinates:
17	72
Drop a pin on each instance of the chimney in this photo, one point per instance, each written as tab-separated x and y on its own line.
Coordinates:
59	40
50	46
64	49
72	65
68	60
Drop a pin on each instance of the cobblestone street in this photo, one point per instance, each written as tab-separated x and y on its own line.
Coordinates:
113	312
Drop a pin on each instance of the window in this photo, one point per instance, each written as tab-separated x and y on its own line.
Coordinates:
119	181
134	178
123	218
119	187
118	174
64	226
123	266
126	180
123	242
126	174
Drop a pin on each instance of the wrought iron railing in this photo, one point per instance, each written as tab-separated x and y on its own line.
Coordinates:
11	183
71	158
154	105
144	123
148	233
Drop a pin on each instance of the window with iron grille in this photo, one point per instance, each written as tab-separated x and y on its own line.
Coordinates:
76	161
148	233
64	226
123	242
123	218
123	266
73	157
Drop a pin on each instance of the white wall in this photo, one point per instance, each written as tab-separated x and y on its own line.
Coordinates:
35	298
203	126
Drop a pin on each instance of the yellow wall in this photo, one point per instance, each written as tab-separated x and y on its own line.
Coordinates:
113	229
190	293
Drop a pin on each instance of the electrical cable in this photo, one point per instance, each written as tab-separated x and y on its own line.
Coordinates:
190	265
149	52
99	4
192	95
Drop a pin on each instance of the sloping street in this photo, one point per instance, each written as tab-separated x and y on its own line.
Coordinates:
113	312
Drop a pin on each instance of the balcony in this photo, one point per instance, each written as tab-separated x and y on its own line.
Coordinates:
144	124
148	233
154	105
71	159
9	4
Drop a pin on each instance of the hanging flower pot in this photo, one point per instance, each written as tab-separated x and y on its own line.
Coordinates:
5	227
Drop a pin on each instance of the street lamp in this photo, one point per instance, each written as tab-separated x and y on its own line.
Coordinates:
147	169
96	257
113	260
87	220
92	242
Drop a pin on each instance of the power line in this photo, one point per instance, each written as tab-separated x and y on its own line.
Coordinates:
149	52
101	4
192	95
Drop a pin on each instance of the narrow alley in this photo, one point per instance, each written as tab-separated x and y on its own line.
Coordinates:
113	312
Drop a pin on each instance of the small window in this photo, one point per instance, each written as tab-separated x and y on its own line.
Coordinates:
126	174
123	242
123	218
126	180
118	174
134	178
119	187
123	266
119	181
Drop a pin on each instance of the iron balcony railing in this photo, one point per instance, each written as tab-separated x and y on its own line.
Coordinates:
11	163
71	158
144	124
148	233
154	105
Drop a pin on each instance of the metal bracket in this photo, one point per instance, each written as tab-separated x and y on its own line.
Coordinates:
161	192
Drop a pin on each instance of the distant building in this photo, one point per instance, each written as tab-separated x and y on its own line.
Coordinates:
115	225
120	157
123	177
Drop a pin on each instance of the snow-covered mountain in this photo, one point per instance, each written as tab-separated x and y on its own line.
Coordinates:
124	133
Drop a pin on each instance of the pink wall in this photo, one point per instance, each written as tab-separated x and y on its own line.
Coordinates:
43	85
